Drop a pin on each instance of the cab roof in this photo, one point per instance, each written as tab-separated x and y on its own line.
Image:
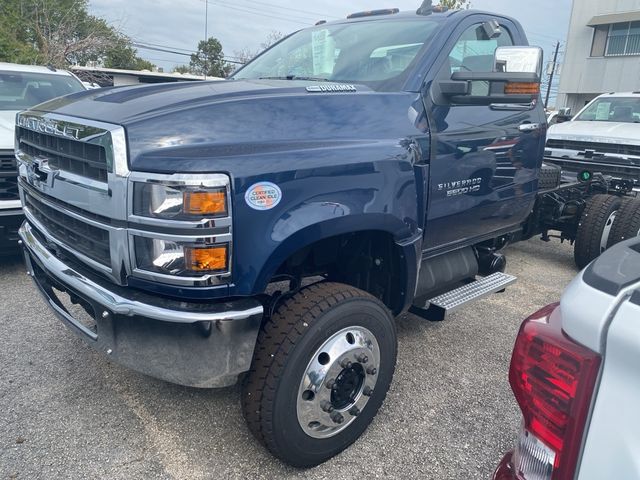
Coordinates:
390	16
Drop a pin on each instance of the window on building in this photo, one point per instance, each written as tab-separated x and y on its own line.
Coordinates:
599	45
622	39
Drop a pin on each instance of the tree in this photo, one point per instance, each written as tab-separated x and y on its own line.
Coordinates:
123	55
245	55
209	59
182	69
61	33
456	4
274	36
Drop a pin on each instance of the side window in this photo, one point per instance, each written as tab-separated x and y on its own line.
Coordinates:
474	51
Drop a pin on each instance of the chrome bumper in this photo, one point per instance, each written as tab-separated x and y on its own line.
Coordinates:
193	344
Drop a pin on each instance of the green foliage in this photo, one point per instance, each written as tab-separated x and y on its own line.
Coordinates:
123	55
61	33
456	4
182	69
209	59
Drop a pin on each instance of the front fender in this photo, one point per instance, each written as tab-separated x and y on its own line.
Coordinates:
318	204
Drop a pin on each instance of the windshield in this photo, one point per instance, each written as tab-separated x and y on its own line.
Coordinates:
612	109
377	53
19	91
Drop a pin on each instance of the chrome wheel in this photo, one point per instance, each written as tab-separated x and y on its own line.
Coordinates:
338	382
604	240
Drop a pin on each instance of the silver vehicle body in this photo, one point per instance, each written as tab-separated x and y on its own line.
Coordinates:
601	310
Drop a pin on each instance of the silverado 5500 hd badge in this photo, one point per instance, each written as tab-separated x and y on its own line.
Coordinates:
461	187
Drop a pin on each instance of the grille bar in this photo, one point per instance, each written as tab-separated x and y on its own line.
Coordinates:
82	158
7	162
596	146
86	239
8	177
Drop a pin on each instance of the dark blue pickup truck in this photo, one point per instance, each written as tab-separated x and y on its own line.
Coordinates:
271	226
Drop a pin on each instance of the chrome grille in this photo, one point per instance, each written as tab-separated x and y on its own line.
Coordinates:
80	158
8	176
86	239
597	147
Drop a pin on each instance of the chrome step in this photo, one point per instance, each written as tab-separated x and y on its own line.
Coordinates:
438	307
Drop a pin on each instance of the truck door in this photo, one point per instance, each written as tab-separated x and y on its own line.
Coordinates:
485	160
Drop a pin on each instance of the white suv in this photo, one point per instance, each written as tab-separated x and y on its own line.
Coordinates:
604	137
22	87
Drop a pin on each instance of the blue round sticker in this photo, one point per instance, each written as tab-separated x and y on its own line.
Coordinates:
263	196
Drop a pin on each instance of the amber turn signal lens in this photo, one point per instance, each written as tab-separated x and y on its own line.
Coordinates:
207	259
205	203
513	88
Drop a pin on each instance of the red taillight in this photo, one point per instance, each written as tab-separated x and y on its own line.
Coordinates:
552	378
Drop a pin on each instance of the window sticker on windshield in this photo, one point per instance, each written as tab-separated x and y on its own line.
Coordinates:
602	114
263	196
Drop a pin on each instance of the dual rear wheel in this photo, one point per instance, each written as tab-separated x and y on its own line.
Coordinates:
606	221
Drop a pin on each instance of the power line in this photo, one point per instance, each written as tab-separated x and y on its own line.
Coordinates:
316	14
290	18
164	50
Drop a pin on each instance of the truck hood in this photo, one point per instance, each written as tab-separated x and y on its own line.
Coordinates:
129	105
7	129
184	126
599	132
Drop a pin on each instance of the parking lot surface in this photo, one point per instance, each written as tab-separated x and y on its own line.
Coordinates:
67	412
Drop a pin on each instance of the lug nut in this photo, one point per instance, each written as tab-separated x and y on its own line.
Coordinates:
362	358
330	383
372	370
354	411
367	392
326	406
345	363
337	417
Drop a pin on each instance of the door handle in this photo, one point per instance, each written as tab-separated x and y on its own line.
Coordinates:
529	127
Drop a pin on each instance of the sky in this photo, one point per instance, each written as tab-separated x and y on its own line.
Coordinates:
179	25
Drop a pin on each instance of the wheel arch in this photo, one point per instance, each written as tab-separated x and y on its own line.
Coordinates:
382	234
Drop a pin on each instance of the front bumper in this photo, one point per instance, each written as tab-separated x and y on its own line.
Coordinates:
189	343
11	217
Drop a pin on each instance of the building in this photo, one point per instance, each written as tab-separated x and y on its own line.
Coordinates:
114	77
602	52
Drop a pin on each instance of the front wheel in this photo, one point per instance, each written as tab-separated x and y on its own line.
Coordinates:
320	372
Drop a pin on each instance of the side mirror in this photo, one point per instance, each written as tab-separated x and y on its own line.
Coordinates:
518	60
515	79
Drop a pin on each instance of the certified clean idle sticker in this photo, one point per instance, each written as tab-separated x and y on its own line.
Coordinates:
263	196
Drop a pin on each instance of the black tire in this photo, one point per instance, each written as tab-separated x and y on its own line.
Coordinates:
627	224
549	177
286	344
596	220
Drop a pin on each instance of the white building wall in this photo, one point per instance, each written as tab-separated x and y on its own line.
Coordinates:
585	77
119	80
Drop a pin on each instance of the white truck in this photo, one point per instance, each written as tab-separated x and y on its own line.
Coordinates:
576	377
22	87
604	137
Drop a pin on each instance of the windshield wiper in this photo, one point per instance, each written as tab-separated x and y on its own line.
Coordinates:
295	77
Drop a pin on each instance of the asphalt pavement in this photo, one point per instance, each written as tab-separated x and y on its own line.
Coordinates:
67	412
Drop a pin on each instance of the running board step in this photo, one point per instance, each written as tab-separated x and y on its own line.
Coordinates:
437	308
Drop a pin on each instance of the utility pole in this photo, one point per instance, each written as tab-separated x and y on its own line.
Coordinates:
553	70
206	32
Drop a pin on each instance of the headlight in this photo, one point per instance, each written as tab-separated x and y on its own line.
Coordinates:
180	259
180	228
179	202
